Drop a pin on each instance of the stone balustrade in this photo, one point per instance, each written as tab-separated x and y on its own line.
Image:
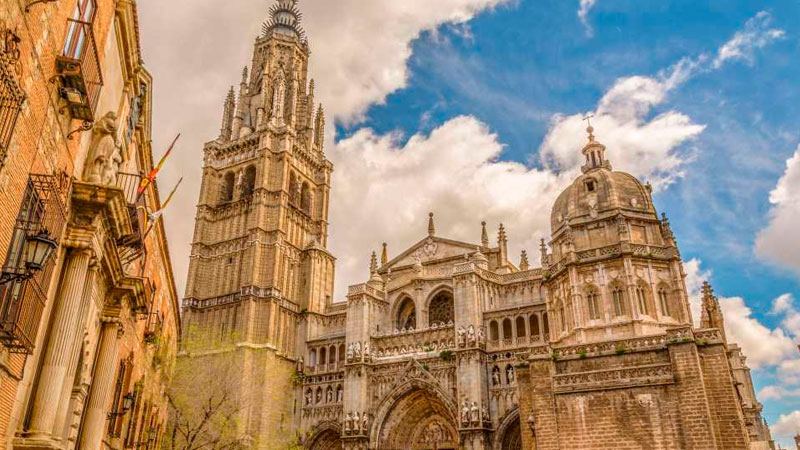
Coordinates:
434	338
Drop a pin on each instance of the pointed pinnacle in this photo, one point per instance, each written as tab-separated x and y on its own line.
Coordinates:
384	255
431	227
484	235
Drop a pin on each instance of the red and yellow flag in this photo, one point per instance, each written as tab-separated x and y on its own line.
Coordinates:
152	175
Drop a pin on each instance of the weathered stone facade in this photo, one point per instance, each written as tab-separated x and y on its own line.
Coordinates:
89	340
448	344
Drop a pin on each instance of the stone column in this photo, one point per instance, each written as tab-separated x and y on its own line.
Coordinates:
62	337
94	421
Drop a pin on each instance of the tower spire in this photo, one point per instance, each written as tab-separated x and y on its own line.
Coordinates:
284	19
594	151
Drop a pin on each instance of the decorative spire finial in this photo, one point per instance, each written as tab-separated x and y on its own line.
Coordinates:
501	234
484	235
431	227
373	263
589	127
594	151
523	261
284	18
384	255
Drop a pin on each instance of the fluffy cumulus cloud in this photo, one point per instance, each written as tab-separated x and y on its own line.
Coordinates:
385	189
757	33
778	241
786	426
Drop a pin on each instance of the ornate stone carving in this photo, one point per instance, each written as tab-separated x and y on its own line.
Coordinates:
105	153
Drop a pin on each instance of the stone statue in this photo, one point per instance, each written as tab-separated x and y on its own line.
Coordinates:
348	422
318	397
471	335
339	395
474	414
329	396
105	155
465	413
481	335
366	349
350	351
356	422
462	337
357	350
510	374
532	422
308	397
364	422
495	377
484	413
300	364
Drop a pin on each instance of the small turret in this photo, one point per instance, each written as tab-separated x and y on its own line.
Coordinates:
502	243
319	129
711	313
594	152
523	261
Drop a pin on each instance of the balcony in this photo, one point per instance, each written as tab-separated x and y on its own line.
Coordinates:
78	70
131	246
22	300
153	328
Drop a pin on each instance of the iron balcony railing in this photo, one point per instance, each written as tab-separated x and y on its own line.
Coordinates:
22	300
78	68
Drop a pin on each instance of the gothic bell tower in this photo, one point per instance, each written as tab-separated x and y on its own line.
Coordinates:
259	264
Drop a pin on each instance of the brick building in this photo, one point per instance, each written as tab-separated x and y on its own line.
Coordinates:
88	338
448	344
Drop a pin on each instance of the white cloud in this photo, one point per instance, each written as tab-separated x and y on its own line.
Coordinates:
786	426
778	241
694	281
774	392
583	14
388	188
755	35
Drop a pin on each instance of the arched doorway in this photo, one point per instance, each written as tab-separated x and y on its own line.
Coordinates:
415	416
327	439
509	434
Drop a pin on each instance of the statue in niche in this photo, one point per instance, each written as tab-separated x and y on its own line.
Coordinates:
105	153
465	413
510	374
462	337
308	397
356	422
348	423
364	422
339	395
495	377
474	414
329	396
485	413
471	335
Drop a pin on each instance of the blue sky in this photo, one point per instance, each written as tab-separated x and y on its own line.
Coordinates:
516	66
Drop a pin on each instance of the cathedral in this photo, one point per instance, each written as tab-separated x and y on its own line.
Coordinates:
448	344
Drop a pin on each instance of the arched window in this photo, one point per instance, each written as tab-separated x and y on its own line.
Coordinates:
494	333
593	303
545	323
322	358
641	299
521	327
226	192
507	334
305	198
440	309
406	315
312	358
534	325
663	300
332	354
249	182
292	189
341	352
618	298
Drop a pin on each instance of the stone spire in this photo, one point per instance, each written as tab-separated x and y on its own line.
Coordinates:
319	128
373	263
523	261
431	227
594	152
543	251
284	19
484	235
384	255
501	235
502	243
227	116
238	119
711	313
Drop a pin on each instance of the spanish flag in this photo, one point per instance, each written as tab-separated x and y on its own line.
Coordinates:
152	175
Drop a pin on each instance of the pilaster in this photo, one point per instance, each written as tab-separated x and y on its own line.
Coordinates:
93	428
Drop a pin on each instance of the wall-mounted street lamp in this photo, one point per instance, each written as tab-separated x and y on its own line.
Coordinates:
38	250
127	404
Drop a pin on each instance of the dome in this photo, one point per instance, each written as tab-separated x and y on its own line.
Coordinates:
598	191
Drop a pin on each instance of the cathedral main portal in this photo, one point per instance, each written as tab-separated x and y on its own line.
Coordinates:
415	418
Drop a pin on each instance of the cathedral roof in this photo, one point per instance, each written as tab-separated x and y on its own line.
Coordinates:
599	189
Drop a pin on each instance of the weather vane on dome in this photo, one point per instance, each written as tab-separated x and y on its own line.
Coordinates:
589	128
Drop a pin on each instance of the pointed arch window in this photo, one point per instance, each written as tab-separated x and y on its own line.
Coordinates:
407	315
593	303
663	299
305	198
618	298
641	299
441	309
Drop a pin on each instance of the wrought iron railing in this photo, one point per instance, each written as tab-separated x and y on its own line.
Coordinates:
11	95
22	300
78	67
